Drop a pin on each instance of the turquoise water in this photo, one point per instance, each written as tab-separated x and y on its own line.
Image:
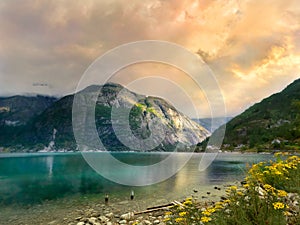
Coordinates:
35	178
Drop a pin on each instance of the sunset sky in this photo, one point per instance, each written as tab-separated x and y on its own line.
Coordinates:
252	47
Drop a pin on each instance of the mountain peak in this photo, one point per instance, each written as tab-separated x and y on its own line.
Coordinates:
144	113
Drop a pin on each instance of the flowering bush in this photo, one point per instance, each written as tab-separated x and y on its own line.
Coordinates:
264	199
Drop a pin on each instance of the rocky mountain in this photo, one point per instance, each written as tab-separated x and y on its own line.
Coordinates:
273	123
15	114
18	110
148	117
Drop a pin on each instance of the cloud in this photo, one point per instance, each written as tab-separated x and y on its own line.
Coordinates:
252	47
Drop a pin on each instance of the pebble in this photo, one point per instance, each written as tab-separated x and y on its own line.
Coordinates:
127	216
109	215
147	222
80	223
92	220
123	202
78	218
140	218
156	222
123	222
103	219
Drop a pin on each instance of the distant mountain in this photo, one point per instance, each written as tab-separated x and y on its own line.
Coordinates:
274	123
52	129
211	124
18	110
15	114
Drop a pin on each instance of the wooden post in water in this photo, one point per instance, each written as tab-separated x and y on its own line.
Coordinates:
106	199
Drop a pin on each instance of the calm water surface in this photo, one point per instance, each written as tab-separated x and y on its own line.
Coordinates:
34	178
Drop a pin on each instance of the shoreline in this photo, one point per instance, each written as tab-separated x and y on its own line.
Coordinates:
81	210
21	154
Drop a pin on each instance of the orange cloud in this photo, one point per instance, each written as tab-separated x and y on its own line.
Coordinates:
251	46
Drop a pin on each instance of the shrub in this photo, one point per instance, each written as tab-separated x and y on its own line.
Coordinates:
264	199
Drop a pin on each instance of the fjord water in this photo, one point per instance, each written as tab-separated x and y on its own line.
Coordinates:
35	178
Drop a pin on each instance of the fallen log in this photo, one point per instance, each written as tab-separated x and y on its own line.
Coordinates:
160	207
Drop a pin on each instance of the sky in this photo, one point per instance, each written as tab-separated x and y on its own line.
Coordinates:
251	47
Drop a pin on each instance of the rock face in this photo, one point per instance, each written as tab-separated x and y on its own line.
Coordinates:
124	121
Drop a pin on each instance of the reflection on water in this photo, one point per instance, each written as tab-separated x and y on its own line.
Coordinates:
35	178
49	163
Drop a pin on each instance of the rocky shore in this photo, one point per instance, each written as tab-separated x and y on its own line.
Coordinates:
126	213
114	215
110	217
115	212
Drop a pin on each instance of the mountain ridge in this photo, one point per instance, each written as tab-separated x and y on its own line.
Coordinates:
51	129
271	124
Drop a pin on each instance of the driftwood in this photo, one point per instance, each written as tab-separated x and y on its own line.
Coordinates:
160	207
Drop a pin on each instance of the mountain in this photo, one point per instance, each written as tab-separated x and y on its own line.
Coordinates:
18	110
52	129
273	123
211	124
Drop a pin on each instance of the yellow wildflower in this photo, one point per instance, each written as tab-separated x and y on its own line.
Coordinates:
167	219
268	187
281	193
246	185
182	214
206	213
211	210
278	205
227	201
205	219
219	207
188	202
233	188
240	193
179	219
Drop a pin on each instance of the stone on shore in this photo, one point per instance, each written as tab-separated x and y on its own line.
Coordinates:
127	216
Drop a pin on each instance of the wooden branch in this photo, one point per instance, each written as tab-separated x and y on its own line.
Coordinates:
160	207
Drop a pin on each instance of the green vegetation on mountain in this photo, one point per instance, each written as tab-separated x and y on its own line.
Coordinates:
274	123
50	128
